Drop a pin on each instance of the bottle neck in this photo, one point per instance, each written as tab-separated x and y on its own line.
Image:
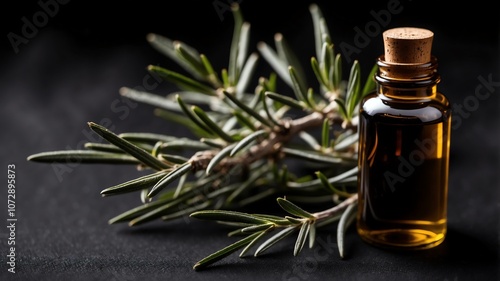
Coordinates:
407	80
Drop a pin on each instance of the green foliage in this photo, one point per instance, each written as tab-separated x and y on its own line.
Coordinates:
245	141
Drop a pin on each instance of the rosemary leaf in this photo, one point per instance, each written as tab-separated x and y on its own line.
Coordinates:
352	180
353	88
135	151
310	140
324	29
288	56
328	220
273	59
181	120
369	83
193	61
268	110
237	232
286	100
146	137
270	83
243	120
348	139
312	156
255	241
319	76
102	147
233	69
327	61
330	62
230	124
215	143
225	78
182	81
345	220
300	92
165	46
180	185
229	216
143	182
311	99
243	45
225	251
319	30
342	108
82	156
193	97
336	75
294	209
144	196
312	235
156	149
211	124
246	74
274	219
175	159
149	98
302	237
158	211
337	179
185	143
273	240
161	206
170	177
256	228
325	134
245	185
189	49
189	113
294	220
211	74
219	157
246	141
247	109
329	186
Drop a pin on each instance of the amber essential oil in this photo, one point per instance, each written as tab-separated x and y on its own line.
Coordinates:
404	141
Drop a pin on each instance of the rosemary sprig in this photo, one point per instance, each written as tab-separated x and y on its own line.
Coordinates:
256	227
243	140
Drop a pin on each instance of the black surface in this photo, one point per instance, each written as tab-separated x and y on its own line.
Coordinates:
70	71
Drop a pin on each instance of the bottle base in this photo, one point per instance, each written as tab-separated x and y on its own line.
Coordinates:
411	239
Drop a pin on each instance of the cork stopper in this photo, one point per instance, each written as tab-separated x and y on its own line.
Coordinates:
408	45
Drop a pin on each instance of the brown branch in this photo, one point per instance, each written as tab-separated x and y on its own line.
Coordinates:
272	145
337	208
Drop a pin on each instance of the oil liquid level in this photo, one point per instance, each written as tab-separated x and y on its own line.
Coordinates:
403	181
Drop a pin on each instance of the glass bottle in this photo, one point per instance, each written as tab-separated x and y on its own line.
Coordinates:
404	143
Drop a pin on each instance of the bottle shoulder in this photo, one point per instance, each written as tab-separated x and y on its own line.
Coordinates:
418	110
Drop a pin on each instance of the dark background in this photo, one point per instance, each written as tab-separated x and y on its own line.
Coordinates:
70	71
